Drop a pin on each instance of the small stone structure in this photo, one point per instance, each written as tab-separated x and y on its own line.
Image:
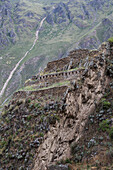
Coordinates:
66	74
51	78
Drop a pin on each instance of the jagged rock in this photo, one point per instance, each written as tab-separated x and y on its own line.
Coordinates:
106	21
96	4
60	14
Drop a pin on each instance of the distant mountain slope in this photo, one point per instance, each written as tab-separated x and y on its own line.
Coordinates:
70	24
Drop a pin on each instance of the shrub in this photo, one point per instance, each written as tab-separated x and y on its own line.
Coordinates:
29	100
41	134
68	161
106	104
29	117
37	105
110	40
111	133
57	117
104	125
3	143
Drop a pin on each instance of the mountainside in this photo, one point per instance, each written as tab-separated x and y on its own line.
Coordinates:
69	24
63	117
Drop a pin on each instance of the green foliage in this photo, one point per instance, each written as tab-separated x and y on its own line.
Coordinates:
62	83
111	133
7	120
104	125
42	118
57	117
29	117
4	113
28	88
68	161
106	104
110	40
3	143
29	100
37	105
41	134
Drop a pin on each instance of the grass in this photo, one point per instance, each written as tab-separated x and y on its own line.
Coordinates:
28	88
110	40
33	87
106	104
104	125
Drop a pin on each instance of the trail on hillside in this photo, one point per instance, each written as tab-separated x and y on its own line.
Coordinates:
17	65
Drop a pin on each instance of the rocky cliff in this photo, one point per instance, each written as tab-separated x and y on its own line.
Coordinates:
62	118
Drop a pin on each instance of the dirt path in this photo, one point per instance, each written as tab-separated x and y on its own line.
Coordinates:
17	65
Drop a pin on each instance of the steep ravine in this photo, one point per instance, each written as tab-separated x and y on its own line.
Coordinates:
17	65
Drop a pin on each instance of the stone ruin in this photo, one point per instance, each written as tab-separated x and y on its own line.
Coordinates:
65	69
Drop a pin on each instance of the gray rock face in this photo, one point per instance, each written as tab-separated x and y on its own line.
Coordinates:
7	32
60	14
106	21
97	4
12	22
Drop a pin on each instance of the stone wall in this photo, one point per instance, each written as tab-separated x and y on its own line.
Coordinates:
60	75
64	63
51	78
57	65
55	91
72	61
